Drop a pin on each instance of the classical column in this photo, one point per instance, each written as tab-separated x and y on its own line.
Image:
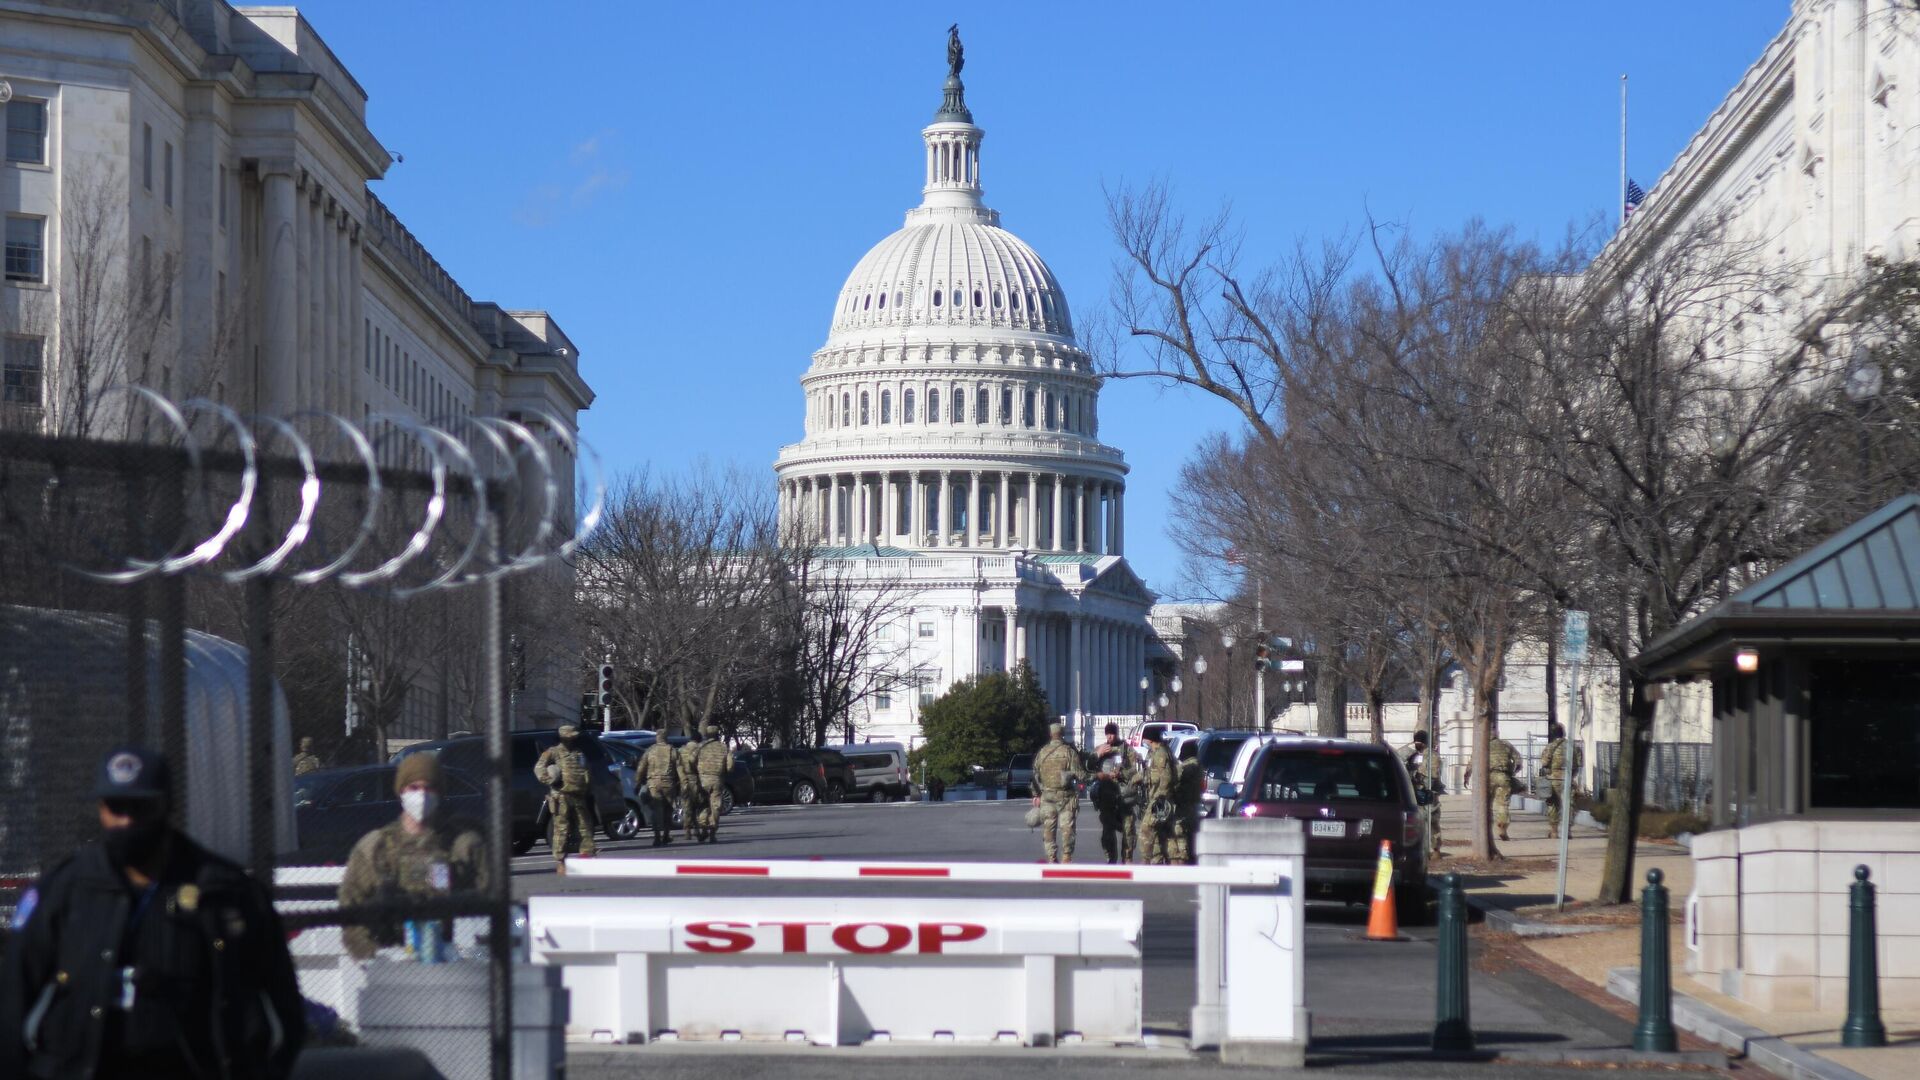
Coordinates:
1099	518
1020	644
1008	636
1032	538
277	392
1043	656
1120	519
1003	516
1059	503
973	509
1076	662
326	294
940	524
1083	515
916	529
833	511
361	383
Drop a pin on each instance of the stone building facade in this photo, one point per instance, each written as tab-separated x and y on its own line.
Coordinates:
200	173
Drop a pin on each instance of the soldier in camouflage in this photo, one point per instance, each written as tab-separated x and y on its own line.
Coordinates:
306	760
563	769
661	774
690	800
1423	768
714	762
1555	762
1055	768
1160	776
424	855
1503	767
1188	785
1120	796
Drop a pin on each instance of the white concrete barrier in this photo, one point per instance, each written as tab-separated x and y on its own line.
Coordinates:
844	971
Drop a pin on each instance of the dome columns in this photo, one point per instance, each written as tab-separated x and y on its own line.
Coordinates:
969	508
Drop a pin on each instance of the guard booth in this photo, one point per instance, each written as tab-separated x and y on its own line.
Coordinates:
1816	740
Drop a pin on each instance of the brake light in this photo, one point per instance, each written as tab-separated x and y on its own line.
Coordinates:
1410	830
1331	751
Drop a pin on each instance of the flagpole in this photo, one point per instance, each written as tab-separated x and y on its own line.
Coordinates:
1623	150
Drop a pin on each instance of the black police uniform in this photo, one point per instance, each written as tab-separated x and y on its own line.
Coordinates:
189	977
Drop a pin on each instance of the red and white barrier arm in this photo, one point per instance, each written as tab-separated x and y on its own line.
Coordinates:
1009	873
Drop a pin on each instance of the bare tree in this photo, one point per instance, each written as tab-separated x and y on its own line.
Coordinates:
853	645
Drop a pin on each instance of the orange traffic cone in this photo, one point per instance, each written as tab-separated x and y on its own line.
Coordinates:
1383	924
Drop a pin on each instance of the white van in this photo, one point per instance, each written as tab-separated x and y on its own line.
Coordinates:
879	769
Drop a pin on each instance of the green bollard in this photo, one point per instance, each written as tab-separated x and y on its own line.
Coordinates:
1655	1031
1863	1027
1452	1031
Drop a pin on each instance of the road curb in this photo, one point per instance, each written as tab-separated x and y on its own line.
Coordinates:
1713	1058
1764	1049
1508	922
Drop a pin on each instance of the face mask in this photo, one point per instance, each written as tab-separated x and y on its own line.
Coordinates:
418	804
134	844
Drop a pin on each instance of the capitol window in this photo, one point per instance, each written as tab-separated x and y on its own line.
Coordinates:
959	406
883	301
936	298
1013	300
1026	410
981	403
926	629
886	406
933	406
996	299
27	131
1006	406
846	410
864	414
906	407
867	304
976	298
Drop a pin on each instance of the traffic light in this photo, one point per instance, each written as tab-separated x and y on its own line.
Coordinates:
606	685
1260	657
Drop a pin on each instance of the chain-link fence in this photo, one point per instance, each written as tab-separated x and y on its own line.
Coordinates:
1679	775
279	607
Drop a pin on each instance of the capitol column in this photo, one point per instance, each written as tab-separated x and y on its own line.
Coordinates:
917	532
1077	665
1009	635
945	510
973	509
1003	516
833	511
1059	504
1120	520
1033	512
274	390
1100	518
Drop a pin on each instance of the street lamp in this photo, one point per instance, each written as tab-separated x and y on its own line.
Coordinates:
1175	687
1200	669
1226	642
1145	684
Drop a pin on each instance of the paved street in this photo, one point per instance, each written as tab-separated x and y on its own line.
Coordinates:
1372	1003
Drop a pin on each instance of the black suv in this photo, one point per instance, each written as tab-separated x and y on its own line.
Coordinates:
785	775
469	755
842	780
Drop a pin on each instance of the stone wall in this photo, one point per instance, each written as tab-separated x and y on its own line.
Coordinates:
1773	911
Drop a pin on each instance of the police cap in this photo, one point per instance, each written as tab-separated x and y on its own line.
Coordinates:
133	772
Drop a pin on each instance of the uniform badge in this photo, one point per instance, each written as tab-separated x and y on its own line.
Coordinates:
123	768
23	910
440	877
188	897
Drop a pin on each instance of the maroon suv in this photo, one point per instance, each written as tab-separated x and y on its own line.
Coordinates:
1351	795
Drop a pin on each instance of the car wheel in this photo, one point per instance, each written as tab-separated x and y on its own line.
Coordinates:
804	793
629	826
836	791
881	794
522	845
726	802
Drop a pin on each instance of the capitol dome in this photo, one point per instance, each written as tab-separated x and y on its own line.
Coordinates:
950	405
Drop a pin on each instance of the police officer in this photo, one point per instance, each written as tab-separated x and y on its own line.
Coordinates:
714	763
145	955
1423	768
689	769
1119	801
660	774
1156	820
563	768
1503	766
424	854
1055	768
306	760
1555	762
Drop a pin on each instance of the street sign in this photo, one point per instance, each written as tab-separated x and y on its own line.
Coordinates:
1574	638
1293	665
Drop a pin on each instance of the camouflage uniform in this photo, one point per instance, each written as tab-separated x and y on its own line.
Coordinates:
714	762
563	769
1160	778
1503	761
1117	824
1553	768
306	760
1191	782
690	800
660	772
1426	777
391	864
1055	768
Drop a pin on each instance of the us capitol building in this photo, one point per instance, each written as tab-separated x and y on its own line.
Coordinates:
952	457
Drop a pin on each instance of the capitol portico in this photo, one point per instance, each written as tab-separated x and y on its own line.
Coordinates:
951	446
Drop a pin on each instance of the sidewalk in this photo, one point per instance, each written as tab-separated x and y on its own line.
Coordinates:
1809	1043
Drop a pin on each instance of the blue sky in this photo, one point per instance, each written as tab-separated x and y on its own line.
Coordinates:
687	186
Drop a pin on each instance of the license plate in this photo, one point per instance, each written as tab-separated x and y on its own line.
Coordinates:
1329	828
